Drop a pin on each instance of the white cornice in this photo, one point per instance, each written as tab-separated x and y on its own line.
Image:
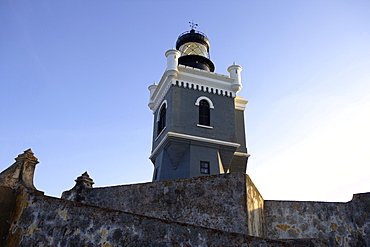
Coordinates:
241	154
193	78
161	90
203	139
203	73
193	138
240	103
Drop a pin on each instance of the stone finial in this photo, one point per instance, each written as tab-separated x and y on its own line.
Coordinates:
27	155
84	180
81	189
21	172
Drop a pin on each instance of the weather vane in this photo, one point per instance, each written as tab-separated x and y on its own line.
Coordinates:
193	25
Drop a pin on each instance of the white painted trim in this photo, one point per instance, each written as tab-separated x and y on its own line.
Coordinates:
197	138
204	73
195	77
242	154
158	146
160	133
160	107
193	138
200	86
161	90
205	126
240	103
207	99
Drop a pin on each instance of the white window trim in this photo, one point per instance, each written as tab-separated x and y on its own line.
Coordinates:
211	106
205	126
160	108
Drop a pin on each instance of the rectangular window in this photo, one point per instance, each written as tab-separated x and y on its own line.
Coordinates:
204	167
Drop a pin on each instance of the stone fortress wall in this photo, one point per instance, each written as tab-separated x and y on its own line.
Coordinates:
216	210
339	224
216	201
39	220
232	203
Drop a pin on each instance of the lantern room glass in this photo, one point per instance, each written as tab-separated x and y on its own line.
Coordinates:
193	48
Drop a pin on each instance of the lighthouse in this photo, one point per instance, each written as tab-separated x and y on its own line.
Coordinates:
198	126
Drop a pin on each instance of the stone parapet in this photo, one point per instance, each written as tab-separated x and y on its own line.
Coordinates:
47	221
334	223
216	201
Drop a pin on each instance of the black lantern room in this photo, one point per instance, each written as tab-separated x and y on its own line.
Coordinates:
194	48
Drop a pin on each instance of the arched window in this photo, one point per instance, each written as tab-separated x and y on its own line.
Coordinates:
204	113
162	119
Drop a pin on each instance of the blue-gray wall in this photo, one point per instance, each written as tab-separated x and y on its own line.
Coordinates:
179	158
239	163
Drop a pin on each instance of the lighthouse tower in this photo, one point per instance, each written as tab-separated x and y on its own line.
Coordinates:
198	119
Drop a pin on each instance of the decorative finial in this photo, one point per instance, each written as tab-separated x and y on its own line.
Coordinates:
193	25
21	172
84	180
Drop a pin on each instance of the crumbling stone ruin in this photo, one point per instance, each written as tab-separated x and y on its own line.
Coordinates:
214	210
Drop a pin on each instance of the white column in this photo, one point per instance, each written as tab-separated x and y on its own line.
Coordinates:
235	73
152	89
172	60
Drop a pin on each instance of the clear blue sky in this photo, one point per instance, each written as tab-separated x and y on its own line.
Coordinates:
74	78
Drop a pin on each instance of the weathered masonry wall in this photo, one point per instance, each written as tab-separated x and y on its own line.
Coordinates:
217	210
337	224
255	208
217	201
46	221
7	204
